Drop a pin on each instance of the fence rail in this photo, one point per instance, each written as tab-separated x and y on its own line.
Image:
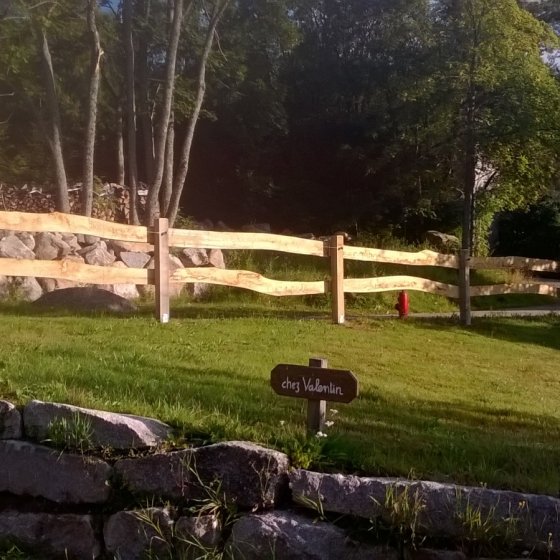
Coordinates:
159	238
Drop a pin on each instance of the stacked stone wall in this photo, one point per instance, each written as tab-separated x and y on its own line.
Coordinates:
118	489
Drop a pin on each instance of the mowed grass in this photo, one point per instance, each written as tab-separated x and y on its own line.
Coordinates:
476	406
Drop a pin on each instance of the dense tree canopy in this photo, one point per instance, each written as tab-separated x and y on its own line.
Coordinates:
385	115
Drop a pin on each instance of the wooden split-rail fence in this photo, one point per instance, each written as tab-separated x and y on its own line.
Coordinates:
160	238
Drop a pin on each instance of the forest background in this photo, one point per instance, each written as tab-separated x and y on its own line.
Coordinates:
392	117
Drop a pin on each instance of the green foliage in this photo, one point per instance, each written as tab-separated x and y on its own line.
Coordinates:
534	232
484	532
75	434
402	509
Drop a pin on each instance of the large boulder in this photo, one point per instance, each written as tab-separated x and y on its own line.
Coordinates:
10	421
86	299
106	429
39	471
285	536
443	509
58	535
250	476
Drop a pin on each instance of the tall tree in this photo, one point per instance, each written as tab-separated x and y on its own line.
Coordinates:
501	99
212	19
161	139
92	100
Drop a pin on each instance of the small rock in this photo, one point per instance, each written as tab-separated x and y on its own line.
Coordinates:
127	291
49	246
10	421
175	288
136	535
192	257
257	228
5	287
27	239
216	258
197	533
98	254
26	288
72	241
13	248
134	259
119	246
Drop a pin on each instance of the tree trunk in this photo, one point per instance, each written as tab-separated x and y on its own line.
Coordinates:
181	175
167	183
55	133
86	197
132	182
120	146
469	179
144	111
163	119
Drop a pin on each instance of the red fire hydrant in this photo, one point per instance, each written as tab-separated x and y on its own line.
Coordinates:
402	304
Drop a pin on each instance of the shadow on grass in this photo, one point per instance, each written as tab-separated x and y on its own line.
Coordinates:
540	331
178	311
446	441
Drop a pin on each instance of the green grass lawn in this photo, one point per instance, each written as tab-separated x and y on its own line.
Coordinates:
477	406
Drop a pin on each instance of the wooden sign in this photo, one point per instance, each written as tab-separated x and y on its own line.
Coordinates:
314	383
317	384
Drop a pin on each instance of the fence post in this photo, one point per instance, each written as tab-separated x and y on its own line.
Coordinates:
336	254
316	410
465	287
161	266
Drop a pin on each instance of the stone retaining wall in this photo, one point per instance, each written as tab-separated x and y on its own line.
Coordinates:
128	495
94	251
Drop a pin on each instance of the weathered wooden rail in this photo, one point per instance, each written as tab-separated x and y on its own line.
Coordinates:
160	238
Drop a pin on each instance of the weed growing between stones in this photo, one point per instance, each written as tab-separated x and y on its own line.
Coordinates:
213	500
12	552
201	533
310	503
485	533
74	434
402	510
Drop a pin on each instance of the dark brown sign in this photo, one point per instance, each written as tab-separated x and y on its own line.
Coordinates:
314	383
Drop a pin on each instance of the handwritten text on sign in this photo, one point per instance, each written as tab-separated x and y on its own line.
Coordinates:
315	383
